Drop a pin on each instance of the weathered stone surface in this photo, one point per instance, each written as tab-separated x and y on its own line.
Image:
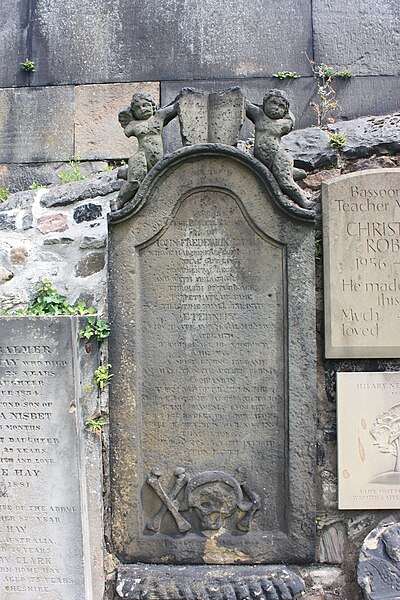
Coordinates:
368	35
51	241
36	124
206	336
97	132
310	148
7	221
18	200
215	117
378	570
63	195
19	255
52	223
161	583
50	507
87	212
11	43
368	457
361	270
89	242
369	135
332	544
92	263
5	275
138	41
314	181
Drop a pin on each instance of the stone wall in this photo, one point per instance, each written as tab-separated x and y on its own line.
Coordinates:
60	233
87	54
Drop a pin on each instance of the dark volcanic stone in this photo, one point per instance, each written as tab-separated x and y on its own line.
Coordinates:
88	212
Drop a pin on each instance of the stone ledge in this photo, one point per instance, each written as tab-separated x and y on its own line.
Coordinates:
272	582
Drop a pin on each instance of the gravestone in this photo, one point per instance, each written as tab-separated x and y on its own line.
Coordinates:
50	484
368	409
212	404
361	226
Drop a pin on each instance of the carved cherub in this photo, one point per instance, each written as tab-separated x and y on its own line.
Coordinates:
272	121
143	121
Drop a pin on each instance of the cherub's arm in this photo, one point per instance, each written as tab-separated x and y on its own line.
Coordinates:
125	117
167	113
253	112
293	120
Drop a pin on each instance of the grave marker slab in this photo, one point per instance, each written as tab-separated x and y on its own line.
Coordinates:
50	526
361	226
213	353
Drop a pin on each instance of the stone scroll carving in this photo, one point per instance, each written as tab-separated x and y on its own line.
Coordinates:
208	583
378	570
213	496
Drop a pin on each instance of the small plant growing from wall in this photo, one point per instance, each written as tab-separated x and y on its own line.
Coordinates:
74	172
286	75
102	376
98	328
96	423
4	193
337	140
28	66
327	102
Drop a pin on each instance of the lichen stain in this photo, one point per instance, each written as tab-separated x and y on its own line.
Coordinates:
214	554
361	450
363	424
346	474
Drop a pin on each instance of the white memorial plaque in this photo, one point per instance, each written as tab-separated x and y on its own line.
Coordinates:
361	227
368	412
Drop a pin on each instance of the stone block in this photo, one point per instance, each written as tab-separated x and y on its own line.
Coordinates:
5	275
52	223
12	46
366	35
98	133
70	193
19	255
52	516
36	124
370	135
92	263
138	40
87	212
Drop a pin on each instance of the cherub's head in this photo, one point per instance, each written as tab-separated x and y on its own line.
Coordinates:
143	106
276	104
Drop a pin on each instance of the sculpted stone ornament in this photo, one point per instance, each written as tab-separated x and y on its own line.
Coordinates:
213	496
141	582
378	570
143	121
272	121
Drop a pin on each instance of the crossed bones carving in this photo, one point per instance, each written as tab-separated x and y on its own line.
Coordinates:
170	503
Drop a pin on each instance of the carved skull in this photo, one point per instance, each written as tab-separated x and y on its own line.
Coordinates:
213	503
214	496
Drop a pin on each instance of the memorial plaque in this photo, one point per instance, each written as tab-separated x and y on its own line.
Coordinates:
44	509
368	409
361	226
211	290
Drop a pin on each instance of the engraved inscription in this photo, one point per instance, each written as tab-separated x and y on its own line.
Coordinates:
212	295
40	531
362	265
